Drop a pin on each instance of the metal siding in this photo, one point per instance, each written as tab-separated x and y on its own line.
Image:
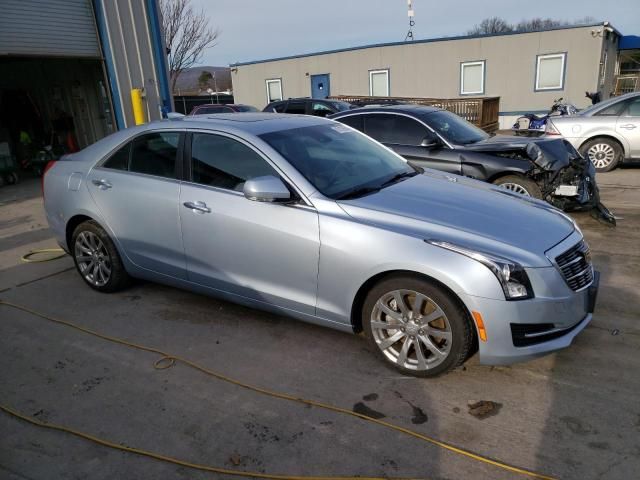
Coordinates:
126	24
48	28
432	69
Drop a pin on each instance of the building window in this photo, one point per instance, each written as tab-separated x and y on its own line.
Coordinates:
274	90
379	83
472	78
550	71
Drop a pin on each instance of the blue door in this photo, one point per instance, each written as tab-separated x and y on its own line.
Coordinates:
320	86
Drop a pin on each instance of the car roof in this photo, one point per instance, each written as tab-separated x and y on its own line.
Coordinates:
408	108
255	123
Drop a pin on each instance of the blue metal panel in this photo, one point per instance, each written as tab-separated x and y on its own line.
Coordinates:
629	42
159	54
108	59
320	87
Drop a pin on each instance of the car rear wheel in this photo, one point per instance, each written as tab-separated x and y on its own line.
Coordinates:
416	326
518	184
97	259
604	153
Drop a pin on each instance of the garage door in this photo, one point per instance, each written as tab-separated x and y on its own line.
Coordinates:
48	27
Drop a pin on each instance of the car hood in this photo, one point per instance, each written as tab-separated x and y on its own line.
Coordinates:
473	214
547	153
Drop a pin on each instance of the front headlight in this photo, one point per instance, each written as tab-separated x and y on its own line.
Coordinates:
511	275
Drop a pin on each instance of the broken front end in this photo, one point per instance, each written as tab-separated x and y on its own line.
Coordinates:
567	180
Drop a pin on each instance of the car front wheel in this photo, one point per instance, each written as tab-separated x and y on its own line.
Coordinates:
97	259
519	184
416	326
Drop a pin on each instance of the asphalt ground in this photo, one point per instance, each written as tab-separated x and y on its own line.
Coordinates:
574	414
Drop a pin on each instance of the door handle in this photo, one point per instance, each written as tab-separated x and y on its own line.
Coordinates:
102	184
628	126
198	207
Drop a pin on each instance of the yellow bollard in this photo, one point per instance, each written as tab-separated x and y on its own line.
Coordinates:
138	106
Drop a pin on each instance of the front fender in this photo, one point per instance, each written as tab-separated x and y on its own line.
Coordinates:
351	255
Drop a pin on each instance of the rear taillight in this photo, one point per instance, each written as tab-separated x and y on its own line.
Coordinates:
50	164
551	129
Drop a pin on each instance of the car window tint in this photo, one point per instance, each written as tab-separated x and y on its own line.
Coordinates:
355	121
225	163
395	129
120	159
633	110
612	110
321	110
296	107
278	107
155	154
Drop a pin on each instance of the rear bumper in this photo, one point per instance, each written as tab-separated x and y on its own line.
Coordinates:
518	331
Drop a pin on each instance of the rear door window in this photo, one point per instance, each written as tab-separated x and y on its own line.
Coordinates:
120	159
633	108
296	108
395	129
155	154
612	110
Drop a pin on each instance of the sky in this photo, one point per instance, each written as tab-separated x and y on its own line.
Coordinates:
260	29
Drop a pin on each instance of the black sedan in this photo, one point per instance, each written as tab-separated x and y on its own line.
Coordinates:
549	169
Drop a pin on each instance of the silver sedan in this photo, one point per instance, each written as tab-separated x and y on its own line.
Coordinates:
607	133
307	217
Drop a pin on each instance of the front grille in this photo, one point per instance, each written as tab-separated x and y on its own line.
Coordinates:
575	265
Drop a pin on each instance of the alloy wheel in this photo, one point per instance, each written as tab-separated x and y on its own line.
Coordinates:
92	258
601	155
411	330
514	187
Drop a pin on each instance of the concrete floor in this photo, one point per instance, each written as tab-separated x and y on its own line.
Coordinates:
574	414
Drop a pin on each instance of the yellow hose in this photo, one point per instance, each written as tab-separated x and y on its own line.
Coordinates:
27	258
167	360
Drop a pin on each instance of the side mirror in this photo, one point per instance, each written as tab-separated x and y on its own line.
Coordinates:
431	142
266	189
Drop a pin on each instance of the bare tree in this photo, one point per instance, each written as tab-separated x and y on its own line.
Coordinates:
491	25
537	24
187	35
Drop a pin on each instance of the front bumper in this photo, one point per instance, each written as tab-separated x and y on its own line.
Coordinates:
523	330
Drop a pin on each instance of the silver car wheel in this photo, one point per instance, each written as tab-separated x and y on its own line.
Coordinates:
601	155
514	187
411	330
92	258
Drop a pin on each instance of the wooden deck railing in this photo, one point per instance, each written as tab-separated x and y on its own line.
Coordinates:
481	111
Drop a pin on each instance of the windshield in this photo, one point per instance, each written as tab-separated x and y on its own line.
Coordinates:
337	160
453	128
245	108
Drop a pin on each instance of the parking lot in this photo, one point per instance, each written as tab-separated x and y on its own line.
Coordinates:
574	414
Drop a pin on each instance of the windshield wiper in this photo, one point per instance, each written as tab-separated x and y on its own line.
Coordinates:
358	192
398	177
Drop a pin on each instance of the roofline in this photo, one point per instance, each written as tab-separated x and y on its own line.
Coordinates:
426	40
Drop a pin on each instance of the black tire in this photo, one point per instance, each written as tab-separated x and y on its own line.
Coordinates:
461	330
118	277
532	189
588	151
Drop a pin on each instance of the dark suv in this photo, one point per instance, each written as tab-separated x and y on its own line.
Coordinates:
308	106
